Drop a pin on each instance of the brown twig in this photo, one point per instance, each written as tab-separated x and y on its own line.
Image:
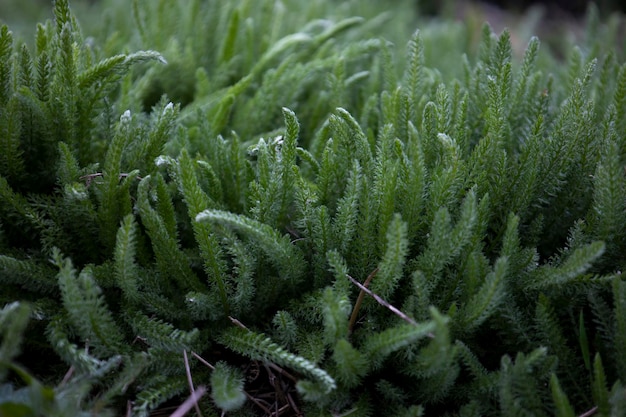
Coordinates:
190	381
70	372
237	323
282	371
294	405
201	359
90	177
259	404
359	300
589	413
190	402
347	413
250	397
384	303
275	382
68	376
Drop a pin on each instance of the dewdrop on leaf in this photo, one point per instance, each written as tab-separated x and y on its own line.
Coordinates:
203	215
125	118
162	160
168	108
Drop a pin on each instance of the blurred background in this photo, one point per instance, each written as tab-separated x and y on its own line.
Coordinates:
558	23
20	14
571	7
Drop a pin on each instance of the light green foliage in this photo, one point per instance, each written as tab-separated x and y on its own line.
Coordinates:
13	321
170	258
391	267
562	404
482	304
336	309
351	364
227	387
445	241
271	156
125	252
197	200
278	248
379	345
285	328
88	313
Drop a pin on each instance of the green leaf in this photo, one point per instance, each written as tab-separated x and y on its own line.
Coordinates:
285	327
6	63
379	346
14	318
279	249
227	387
608	213
162	335
446	242
574	266
228	45
12	164
220	117
584	341
15	409
617	400
415	73
336	309
124	255
359	140
599	387
346	217
351	365
84	362
619	311
484	303
392	265
259	347
169	256
87	309
562	404
115	66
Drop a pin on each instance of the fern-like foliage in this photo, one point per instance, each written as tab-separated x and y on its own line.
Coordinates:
227	386
260	347
83	300
437	229
278	248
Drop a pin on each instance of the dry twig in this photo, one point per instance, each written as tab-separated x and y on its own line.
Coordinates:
359	300
190	381
382	302
379	300
189	403
590	412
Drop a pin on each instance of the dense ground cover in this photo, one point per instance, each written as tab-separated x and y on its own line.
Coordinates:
322	212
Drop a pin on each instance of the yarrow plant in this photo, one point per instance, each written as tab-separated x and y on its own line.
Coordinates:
310	213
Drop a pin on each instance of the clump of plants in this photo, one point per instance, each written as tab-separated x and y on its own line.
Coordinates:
226	208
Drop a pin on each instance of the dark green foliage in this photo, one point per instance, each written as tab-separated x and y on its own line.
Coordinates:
227	201
259	347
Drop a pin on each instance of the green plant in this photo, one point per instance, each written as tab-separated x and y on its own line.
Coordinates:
217	241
